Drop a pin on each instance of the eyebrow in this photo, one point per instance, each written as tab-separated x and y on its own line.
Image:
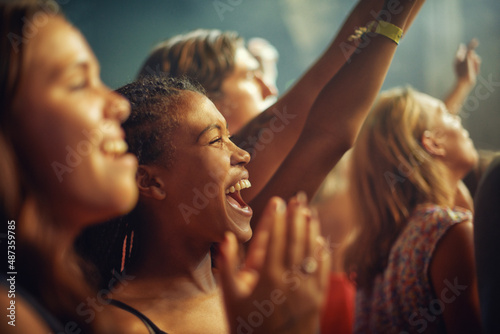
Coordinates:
81	65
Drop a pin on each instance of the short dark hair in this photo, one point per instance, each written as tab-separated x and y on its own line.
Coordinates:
155	102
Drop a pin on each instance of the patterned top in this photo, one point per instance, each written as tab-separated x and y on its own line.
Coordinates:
402	300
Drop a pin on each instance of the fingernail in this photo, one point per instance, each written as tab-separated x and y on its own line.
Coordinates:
302	197
280	206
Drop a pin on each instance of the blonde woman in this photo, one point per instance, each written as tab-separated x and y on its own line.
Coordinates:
411	251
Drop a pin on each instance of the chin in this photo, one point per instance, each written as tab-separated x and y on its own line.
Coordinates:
125	204
243	236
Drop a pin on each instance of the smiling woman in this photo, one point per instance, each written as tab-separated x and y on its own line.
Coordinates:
190	179
51	100
190	176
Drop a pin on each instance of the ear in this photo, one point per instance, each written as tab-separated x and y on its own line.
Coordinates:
149	183
432	145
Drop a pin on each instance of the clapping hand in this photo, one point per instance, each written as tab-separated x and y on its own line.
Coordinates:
281	286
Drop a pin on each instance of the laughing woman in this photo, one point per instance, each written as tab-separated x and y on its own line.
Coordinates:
190	177
51	100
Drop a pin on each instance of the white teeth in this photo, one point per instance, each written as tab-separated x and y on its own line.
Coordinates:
115	147
240	185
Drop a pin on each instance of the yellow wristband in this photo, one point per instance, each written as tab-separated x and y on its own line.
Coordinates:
389	30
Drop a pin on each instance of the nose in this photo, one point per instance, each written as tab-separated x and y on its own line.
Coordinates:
267	89
118	107
239	156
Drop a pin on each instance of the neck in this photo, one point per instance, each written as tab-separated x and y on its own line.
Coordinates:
453	179
174	263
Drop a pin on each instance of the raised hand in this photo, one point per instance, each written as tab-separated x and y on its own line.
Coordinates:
467	62
281	286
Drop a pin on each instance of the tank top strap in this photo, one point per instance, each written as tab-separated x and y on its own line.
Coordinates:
152	328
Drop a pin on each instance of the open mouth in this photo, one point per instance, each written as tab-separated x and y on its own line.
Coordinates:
115	147
233	194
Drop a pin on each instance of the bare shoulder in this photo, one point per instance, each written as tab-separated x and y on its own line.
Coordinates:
18	316
454	254
120	321
453	277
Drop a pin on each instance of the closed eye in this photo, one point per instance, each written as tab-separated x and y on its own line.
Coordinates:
78	85
216	140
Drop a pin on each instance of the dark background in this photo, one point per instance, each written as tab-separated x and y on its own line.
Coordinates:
121	34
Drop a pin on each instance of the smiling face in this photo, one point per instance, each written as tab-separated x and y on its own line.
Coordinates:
244	91
208	173
454	145
68	129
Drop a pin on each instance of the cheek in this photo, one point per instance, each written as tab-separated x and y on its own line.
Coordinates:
244	93
103	185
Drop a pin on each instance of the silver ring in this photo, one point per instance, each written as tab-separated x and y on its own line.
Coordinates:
309	265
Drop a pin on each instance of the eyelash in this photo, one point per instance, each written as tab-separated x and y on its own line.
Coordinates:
80	85
218	139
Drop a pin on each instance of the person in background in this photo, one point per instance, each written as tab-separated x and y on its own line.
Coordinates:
486	245
267	56
334	203
411	249
222	64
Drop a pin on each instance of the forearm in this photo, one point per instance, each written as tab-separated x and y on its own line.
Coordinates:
290	112
335	118
457	96
298	172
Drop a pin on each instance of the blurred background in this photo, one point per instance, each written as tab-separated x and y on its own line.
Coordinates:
122	33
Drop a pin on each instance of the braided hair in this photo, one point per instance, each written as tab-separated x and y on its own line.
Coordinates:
156	103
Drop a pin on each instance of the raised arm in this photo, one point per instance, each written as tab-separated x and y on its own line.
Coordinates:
337	113
467	64
284	120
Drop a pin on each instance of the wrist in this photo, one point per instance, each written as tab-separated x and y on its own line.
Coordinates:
465	83
384	28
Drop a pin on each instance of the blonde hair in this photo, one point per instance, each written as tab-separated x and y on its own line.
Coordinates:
391	174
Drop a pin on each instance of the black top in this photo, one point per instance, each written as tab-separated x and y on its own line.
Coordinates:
152	328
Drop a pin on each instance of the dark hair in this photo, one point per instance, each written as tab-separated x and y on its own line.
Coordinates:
156	103
206	56
55	281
